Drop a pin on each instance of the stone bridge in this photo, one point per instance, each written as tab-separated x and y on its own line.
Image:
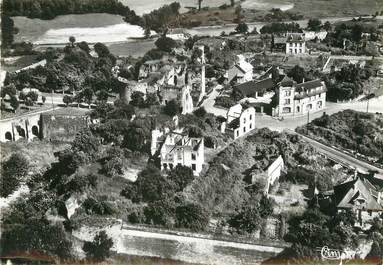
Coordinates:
22	127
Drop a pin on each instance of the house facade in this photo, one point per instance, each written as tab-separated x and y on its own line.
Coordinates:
363	195
274	171
239	121
177	148
295	43
241	71
299	99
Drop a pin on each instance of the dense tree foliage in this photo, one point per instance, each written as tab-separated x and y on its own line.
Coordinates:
99	248
165	44
172	108
192	216
182	176
160	19
14	170
280	28
49	9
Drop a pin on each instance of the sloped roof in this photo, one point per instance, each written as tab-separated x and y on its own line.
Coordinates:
309	85
255	86
295	37
358	193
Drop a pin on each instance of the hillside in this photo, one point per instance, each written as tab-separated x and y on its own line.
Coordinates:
358	132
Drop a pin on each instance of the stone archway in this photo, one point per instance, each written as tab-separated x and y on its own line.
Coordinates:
21	132
8	136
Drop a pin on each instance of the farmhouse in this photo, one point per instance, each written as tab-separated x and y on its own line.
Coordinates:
241	71
291	43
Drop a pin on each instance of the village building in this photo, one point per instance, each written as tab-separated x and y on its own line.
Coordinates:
177	148
293	99
291	43
181	94
239	121
241	71
363	195
255	88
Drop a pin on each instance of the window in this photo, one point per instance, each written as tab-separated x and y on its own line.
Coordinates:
179	154
244	129
171	166
237	133
193	156
287	101
250	126
244	120
251	117
300	50
194	167
291	50
286	110
165	166
287	93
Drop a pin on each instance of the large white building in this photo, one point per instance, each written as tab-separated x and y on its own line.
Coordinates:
239	121
177	148
295	43
299	99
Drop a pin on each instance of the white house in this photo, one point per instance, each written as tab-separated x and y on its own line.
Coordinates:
299	99
295	43
239	121
241	71
177	148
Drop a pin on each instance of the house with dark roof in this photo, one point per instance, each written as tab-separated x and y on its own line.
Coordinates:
294	99
177	148
255	88
363	195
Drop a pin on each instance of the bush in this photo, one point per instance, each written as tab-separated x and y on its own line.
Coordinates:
165	44
99	248
172	108
192	216
13	171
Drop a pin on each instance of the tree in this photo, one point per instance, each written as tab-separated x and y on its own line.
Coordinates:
99	248
200	112
165	44
151	99
192	216
33	96
137	99
102	96
314	24
160	212
152	185
172	107
86	142
242	28
9	90
84	46
182	176
101	50
297	73
72	40
88	95
327	26
67	100
13	171
356	32
14	103
248	219
135	139
232	2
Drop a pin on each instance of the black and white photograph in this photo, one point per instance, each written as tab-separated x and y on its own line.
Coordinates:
191	132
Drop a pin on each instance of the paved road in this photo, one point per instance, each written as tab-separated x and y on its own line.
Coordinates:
208	103
341	157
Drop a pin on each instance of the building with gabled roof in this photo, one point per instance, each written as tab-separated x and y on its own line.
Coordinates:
177	148
255	88
363	195
241	71
239	121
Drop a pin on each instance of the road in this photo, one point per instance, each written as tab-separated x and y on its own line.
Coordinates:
208	103
342	157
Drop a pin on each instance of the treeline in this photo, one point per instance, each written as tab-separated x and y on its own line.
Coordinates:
162	18
280	28
48	9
